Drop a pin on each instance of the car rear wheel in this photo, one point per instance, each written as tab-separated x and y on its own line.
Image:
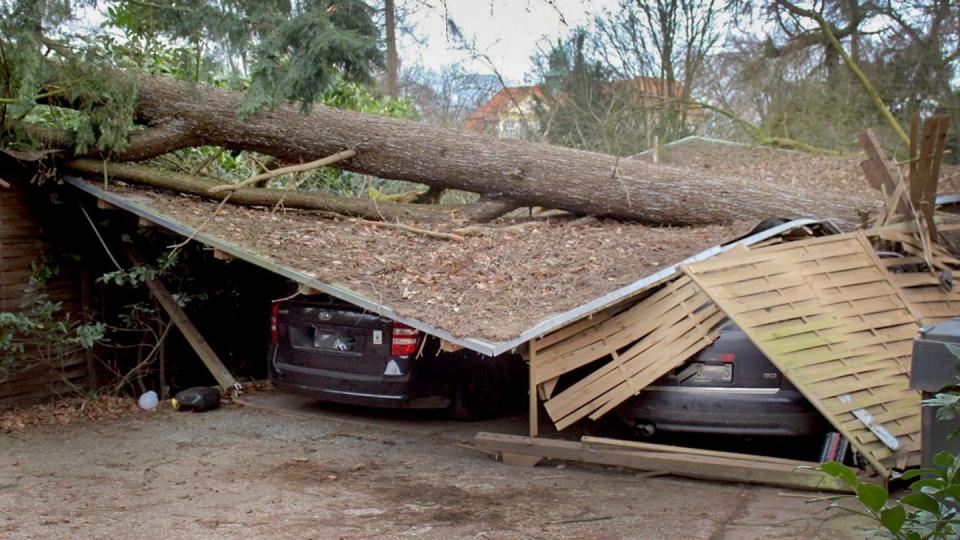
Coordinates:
479	389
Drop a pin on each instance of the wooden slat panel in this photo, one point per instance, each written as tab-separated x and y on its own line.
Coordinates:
848	334
642	343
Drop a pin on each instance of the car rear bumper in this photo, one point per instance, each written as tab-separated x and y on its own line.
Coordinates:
370	391
753	412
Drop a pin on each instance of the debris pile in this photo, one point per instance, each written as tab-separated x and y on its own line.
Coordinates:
836	314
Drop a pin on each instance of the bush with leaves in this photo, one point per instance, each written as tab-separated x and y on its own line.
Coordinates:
948	406
928	512
41	333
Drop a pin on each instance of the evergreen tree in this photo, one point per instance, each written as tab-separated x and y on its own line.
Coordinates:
280	50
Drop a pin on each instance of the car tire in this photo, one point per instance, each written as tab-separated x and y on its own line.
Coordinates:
478	392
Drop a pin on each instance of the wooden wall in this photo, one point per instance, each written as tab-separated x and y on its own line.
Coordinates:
22	241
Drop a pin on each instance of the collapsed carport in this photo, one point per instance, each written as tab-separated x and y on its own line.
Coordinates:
660	313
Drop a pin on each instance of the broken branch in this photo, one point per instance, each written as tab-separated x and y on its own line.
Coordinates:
303	167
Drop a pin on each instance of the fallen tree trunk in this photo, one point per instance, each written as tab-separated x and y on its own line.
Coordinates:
482	210
530	174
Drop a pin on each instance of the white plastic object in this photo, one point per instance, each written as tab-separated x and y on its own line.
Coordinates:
149	400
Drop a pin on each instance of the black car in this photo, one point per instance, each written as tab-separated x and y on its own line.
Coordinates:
336	352
729	388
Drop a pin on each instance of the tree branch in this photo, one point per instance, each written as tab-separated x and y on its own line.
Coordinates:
857	72
322	162
352	207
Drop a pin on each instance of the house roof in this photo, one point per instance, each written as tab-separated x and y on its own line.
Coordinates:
500	103
505	99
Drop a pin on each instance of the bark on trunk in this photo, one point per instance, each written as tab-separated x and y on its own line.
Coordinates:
531	174
353	207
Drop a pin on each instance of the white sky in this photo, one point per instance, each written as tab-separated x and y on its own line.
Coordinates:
506	31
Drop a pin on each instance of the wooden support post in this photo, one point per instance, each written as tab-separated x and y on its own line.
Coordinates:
183	323
534	404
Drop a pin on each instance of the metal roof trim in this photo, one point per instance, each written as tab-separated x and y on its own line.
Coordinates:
491	348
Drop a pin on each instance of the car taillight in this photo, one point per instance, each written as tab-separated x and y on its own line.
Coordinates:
727	358
404	340
274	329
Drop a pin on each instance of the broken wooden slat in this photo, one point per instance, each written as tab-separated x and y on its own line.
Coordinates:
644	342
651	447
879	173
733	468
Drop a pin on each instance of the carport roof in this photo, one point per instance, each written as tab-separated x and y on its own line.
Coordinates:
490	308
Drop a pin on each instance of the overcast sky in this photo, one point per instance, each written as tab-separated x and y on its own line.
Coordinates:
506	31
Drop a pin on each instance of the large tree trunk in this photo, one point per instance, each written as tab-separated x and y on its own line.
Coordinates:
531	174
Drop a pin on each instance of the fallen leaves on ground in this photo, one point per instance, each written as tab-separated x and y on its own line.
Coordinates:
64	412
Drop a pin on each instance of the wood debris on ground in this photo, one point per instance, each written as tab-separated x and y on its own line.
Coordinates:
679	461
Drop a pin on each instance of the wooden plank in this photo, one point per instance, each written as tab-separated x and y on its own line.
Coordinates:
661	312
915	279
652	447
594	397
534	405
611	374
692	466
186	327
543	344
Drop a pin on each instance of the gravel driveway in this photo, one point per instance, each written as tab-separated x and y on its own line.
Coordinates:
280	467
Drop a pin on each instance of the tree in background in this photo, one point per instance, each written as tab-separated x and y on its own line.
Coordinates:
788	78
630	76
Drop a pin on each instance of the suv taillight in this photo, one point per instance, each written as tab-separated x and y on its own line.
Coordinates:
274	330
404	340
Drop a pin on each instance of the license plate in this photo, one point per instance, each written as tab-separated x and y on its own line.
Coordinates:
334	341
722	373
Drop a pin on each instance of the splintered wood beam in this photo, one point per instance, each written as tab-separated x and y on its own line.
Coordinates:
186	327
729	467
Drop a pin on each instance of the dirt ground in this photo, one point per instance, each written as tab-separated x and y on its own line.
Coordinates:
284	467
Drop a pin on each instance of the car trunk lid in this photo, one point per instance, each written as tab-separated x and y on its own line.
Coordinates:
333	338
